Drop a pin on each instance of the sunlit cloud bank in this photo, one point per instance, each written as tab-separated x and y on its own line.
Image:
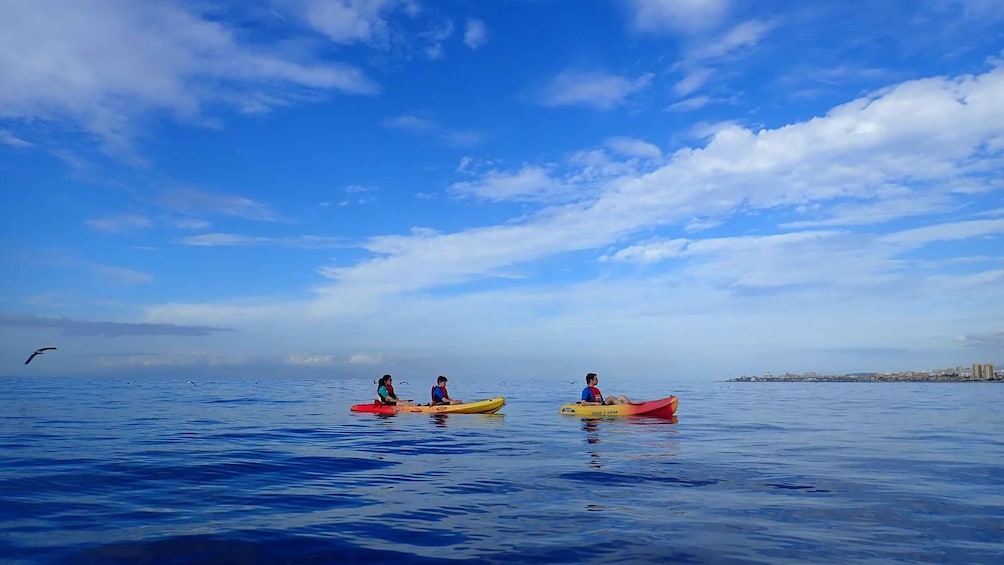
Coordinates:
916	151
177	61
931	140
102	328
356	187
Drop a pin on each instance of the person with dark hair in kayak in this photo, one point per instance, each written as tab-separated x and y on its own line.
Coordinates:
440	395
591	396
385	392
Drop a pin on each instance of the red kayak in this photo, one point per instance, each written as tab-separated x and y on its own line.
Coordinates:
374	408
662	408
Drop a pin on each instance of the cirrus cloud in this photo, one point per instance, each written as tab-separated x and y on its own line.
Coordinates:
591	88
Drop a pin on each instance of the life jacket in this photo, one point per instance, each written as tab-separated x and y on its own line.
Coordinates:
432	393
390	395
597	395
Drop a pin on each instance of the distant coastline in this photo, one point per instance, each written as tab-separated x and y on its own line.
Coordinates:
937	376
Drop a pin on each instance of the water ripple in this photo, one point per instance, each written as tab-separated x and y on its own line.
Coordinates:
279	471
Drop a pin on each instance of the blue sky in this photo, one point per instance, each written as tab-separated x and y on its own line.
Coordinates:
690	189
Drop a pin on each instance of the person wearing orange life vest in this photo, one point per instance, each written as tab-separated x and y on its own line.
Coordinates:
440	395
591	396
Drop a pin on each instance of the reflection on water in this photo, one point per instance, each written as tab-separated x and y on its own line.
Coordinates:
591	426
280	471
650	444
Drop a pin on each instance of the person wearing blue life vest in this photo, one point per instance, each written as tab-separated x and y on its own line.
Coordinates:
440	394
591	396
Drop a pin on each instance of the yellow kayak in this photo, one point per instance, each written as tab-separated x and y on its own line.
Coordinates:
490	406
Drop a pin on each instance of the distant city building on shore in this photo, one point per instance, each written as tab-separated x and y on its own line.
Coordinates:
983	371
978	372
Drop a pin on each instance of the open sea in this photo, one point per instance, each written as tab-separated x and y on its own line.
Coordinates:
272	470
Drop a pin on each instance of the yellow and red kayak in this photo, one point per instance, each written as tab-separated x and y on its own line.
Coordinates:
662	408
490	406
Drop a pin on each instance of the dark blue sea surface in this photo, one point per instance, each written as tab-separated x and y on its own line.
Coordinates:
274	470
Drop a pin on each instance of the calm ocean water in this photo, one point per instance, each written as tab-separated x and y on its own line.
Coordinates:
279	471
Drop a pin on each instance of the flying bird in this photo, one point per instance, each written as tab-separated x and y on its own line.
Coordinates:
38	352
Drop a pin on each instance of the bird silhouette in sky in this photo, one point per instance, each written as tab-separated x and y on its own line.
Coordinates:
38	352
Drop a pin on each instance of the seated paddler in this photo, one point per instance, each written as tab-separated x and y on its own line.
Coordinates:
440	395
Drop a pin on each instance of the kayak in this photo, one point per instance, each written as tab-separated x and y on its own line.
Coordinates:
662	408
490	406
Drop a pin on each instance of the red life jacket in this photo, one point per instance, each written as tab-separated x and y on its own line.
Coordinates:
390	395
597	395
432	393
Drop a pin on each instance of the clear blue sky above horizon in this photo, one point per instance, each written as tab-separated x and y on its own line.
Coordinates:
691	188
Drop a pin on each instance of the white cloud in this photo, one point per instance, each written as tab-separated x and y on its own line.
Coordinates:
701	224
304	360
365	359
171	359
108	64
413	124
877	211
694	80
190	223
987	12
194	201
473	165
928	135
634	147
596	89
824	258
416	125
8	138
680	16
120	276
992	339
743	36
689	104
225	240
435	38
649	252
918	237
120	223
359	188
827	258
239	240
475	34
354	21
435	51
530	183
592	167
992	213
708	53
926	131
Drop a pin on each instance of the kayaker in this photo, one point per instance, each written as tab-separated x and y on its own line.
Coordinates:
385	392
440	395
591	396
